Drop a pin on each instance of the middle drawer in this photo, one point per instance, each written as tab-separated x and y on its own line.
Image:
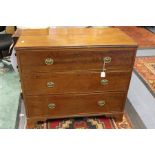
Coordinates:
74	82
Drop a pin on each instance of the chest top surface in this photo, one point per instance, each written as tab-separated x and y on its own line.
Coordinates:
76	37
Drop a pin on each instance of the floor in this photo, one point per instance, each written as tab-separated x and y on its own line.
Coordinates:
139	106
141	100
9	97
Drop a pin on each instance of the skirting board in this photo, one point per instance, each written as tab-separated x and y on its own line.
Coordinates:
142	101
21	116
145	52
135	119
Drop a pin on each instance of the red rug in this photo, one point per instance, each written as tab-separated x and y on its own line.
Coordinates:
145	69
86	123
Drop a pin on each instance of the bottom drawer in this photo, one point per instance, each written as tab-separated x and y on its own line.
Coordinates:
74	104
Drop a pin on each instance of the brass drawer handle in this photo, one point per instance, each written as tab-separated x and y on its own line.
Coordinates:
51	106
49	61
104	82
50	84
101	103
107	59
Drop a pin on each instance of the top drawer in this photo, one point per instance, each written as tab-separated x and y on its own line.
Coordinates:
75	59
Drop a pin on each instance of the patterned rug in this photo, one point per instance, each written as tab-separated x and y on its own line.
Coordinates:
99	122
145	69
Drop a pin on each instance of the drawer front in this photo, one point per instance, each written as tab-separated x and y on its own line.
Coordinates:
77	104
45	61
74	82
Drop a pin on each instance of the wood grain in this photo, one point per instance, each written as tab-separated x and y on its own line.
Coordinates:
77	37
31	32
74	82
78	61
74	104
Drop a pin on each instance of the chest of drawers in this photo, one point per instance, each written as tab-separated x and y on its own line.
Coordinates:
61	73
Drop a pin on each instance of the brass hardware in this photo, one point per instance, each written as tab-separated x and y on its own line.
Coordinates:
49	61
101	103
50	84
103	73
107	59
104	81
51	106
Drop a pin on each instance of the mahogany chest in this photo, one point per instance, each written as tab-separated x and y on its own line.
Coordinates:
74	72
